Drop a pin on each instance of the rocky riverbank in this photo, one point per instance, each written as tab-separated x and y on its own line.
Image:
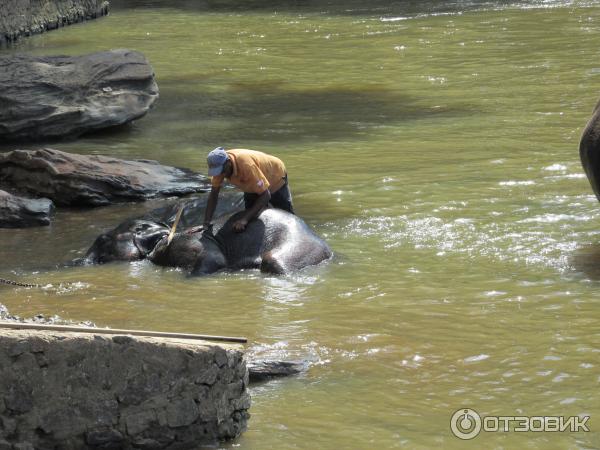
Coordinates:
26	17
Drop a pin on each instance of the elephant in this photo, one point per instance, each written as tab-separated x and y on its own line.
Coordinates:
135	238
276	242
132	240
589	150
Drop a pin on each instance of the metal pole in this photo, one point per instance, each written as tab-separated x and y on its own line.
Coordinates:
71	329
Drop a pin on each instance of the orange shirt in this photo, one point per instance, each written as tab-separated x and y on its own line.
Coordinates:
253	172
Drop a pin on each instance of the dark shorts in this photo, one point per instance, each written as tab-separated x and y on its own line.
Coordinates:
282	198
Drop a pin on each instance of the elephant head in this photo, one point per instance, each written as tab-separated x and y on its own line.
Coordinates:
130	241
199	253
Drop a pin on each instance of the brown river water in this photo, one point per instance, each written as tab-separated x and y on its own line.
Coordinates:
433	144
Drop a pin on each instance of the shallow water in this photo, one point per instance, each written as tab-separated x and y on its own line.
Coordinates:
433	144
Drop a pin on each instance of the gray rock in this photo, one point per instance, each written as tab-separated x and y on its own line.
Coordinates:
183	412
19	399
8	425
73	407
147	444
208	376
23	446
103	437
45	97
81	180
24	17
19	212
265	370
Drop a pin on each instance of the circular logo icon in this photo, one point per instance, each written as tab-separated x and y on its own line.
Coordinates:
465	423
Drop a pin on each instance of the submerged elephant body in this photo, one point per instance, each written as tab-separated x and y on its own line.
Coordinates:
589	150
275	242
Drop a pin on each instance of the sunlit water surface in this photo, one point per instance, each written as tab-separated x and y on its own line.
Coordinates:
434	145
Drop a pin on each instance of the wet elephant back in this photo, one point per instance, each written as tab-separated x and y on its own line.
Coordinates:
244	250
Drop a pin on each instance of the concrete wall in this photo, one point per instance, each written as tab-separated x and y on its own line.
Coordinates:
79	390
25	17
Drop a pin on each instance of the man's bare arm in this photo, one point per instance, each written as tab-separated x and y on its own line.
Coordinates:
261	202
211	205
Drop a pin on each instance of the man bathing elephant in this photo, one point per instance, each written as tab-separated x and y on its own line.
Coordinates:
275	240
262	178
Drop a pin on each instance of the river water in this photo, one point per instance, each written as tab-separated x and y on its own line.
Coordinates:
433	144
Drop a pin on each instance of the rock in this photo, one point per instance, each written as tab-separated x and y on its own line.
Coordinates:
24	17
19	212
45	97
184	412
265	370
103	437
74	400
92	180
39	319
23	446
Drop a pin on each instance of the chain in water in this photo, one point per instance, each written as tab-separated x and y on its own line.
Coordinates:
16	283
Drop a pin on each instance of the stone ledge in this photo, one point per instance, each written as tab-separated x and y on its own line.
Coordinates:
80	390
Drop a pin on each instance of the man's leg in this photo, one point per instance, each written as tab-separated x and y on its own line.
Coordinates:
282	198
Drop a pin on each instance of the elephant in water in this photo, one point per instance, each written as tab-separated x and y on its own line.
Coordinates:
276	242
134	239
589	150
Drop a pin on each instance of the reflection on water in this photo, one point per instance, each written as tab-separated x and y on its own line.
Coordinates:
433	144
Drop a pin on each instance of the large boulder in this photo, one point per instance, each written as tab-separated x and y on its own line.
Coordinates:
83	180
64	96
19	212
